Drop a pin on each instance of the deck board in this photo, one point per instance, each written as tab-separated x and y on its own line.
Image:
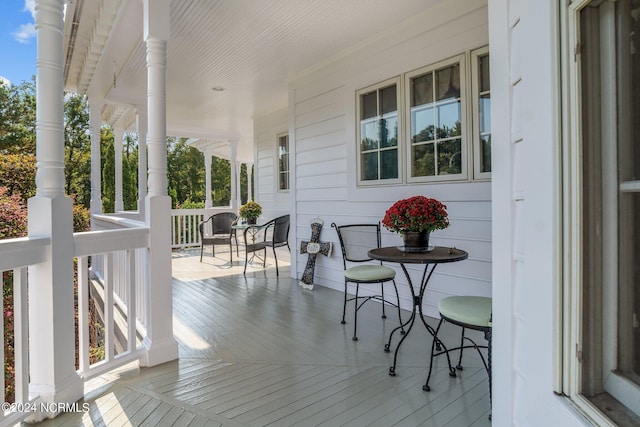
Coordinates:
260	350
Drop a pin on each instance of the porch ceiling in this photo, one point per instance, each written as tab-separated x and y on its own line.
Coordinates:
251	48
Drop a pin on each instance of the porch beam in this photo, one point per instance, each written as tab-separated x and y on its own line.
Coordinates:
95	124
141	125
159	343
118	143
51	324
208	202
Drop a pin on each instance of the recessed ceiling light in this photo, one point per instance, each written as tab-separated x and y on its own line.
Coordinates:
217	88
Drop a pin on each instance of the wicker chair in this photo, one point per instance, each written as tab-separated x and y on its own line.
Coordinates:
221	232
275	234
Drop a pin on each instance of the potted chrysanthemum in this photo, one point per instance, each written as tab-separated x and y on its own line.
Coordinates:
415	218
251	211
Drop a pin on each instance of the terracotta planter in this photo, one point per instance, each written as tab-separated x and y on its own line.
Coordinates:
416	241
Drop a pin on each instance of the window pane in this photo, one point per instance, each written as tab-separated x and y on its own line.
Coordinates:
389	131
388	100
423	160
370	166
448	82
368	105
389	163
284	181
485	113
422	124
422	90
485	153
449	120
450	157
369	135
483	70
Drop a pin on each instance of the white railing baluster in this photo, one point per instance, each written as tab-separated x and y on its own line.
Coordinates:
2	355
108	308
83	313
131	300
21	334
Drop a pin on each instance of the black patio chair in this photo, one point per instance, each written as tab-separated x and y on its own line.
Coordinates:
275	234
356	240
220	232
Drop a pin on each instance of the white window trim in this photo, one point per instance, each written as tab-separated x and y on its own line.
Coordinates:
475	113
570	377
399	96
277	161
470	154
464	113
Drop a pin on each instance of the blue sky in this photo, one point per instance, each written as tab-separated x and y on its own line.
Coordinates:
17	40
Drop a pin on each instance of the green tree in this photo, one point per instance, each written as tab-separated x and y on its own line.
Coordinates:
18	118
77	149
108	170
185	172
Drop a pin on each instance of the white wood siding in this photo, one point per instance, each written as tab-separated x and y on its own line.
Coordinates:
527	201
322	133
274	203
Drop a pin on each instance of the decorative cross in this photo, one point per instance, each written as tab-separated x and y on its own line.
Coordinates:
313	248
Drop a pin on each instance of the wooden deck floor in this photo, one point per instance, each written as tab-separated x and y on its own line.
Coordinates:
258	350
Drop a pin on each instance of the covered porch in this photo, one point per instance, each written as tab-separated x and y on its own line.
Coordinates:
261	350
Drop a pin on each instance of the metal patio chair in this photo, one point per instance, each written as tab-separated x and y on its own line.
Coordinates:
355	241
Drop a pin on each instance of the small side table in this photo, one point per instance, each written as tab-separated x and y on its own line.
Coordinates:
438	255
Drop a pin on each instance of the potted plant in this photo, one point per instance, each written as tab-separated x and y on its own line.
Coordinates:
251	211
415	218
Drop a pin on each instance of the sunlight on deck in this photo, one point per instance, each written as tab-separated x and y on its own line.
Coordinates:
188	337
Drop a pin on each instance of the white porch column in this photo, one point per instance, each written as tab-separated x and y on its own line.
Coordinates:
95	123
249	181
207	167
235	205
141	124
51	325
118	135
159	342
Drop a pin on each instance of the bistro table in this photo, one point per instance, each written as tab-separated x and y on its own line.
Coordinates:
436	255
252	230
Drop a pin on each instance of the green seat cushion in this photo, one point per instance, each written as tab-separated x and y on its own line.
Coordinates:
467	309
369	273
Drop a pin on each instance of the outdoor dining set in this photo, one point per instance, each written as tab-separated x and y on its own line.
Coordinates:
364	265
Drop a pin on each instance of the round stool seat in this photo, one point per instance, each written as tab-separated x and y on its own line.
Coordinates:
369	273
467	310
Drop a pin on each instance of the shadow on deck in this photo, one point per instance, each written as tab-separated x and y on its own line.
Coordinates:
260	350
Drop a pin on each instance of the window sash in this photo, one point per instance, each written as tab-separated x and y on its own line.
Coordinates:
481	113
595	352
378	154
283	162
439	154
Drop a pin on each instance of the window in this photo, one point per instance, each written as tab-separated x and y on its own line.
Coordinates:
283	162
378	133
482	113
436	122
434	101
602	362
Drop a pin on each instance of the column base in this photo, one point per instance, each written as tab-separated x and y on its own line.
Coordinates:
159	352
51	402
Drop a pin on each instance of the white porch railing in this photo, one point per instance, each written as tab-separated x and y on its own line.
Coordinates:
118	261
15	257
184	225
121	283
